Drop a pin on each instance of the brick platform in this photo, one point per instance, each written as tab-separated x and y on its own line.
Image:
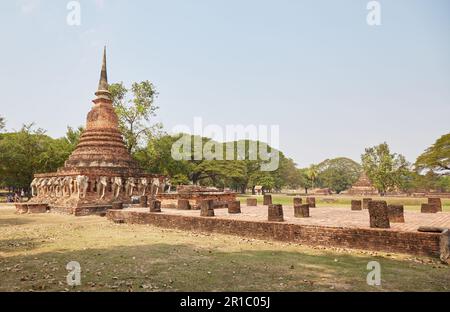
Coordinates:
335	227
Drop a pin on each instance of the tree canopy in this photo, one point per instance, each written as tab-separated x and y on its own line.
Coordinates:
27	152
338	174
436	157
135	108
383	168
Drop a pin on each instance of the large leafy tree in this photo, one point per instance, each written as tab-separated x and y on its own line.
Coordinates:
135	108
338	174
384	169
436	157
30	151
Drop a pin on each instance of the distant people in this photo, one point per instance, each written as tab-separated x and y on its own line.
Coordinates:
22	194
9	198
16	198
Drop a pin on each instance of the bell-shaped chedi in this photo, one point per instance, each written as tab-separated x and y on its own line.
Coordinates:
100	171
363	187
101	144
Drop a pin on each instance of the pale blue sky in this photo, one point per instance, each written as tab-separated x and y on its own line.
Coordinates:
332	83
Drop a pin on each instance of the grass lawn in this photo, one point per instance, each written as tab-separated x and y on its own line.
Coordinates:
34	250
345	201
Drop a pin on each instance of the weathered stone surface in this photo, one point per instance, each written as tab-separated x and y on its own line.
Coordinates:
275	213
37	208
234	207
183	204
301	211
437	202
298	201
21	208
117	205
356	205
379	215
429	208
444	247
207	208
155	206
143	201
365	203
311	201
252	202
267	200
396	213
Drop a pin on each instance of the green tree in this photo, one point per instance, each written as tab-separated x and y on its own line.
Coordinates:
312	174
2	123
436	157
73	135
384	169
338	174
29	151
136	112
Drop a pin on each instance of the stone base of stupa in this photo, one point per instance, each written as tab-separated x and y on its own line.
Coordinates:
67	199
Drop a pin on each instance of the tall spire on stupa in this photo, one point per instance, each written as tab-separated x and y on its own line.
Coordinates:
103	92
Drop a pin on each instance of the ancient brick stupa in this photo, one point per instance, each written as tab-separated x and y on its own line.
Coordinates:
100	171
363	187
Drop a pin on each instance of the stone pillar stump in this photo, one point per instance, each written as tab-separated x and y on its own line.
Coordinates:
379	215
311	201
267	200
252	202
437	202
298	201
155	206
143	201
276	213
356	205
365	203
207	208
396	213
429	208
301	211
183	204
234	207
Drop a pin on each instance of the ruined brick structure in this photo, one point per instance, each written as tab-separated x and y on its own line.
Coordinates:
196	195
100	171
363	187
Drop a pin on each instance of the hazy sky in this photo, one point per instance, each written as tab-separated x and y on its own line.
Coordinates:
334	84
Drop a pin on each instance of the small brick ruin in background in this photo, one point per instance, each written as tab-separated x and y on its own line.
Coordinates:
234	207
437	202
311	201
143	201
207	208
267	200
298	201
301	211
379	215
396	213
183	204
365	203
252	202
276	213
155	206
429	208
356	205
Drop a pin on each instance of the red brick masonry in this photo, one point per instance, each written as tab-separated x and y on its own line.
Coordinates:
416	243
